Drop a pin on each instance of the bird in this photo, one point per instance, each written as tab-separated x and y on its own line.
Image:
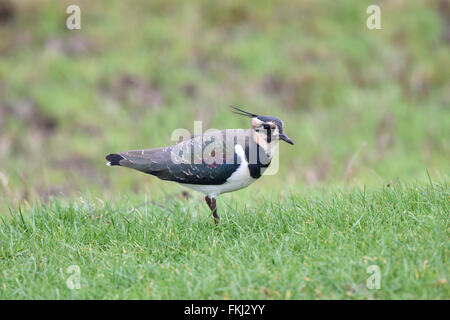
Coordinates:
215	162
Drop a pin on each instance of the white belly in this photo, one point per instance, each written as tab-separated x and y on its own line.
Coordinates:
241	178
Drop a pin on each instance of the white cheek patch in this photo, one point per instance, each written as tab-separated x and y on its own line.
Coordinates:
256	122
276	132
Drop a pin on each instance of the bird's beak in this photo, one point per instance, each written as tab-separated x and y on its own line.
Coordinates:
286	138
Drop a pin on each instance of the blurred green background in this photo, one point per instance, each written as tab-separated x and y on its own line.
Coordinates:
363	106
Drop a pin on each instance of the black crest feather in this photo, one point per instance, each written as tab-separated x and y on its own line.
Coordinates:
243	113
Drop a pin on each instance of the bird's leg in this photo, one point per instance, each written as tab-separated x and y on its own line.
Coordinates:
214	210
212	205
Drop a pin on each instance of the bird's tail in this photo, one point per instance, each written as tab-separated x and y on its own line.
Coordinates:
114	159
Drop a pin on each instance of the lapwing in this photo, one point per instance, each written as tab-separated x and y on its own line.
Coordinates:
212	163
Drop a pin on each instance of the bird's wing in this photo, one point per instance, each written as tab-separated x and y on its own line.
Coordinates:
146	160
204	159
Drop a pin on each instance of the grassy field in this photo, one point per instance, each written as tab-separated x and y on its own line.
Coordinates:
303	246
368	111
363	106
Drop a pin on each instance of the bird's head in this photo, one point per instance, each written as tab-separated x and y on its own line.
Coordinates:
265	129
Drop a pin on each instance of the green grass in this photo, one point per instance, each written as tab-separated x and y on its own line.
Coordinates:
304	245
363	107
